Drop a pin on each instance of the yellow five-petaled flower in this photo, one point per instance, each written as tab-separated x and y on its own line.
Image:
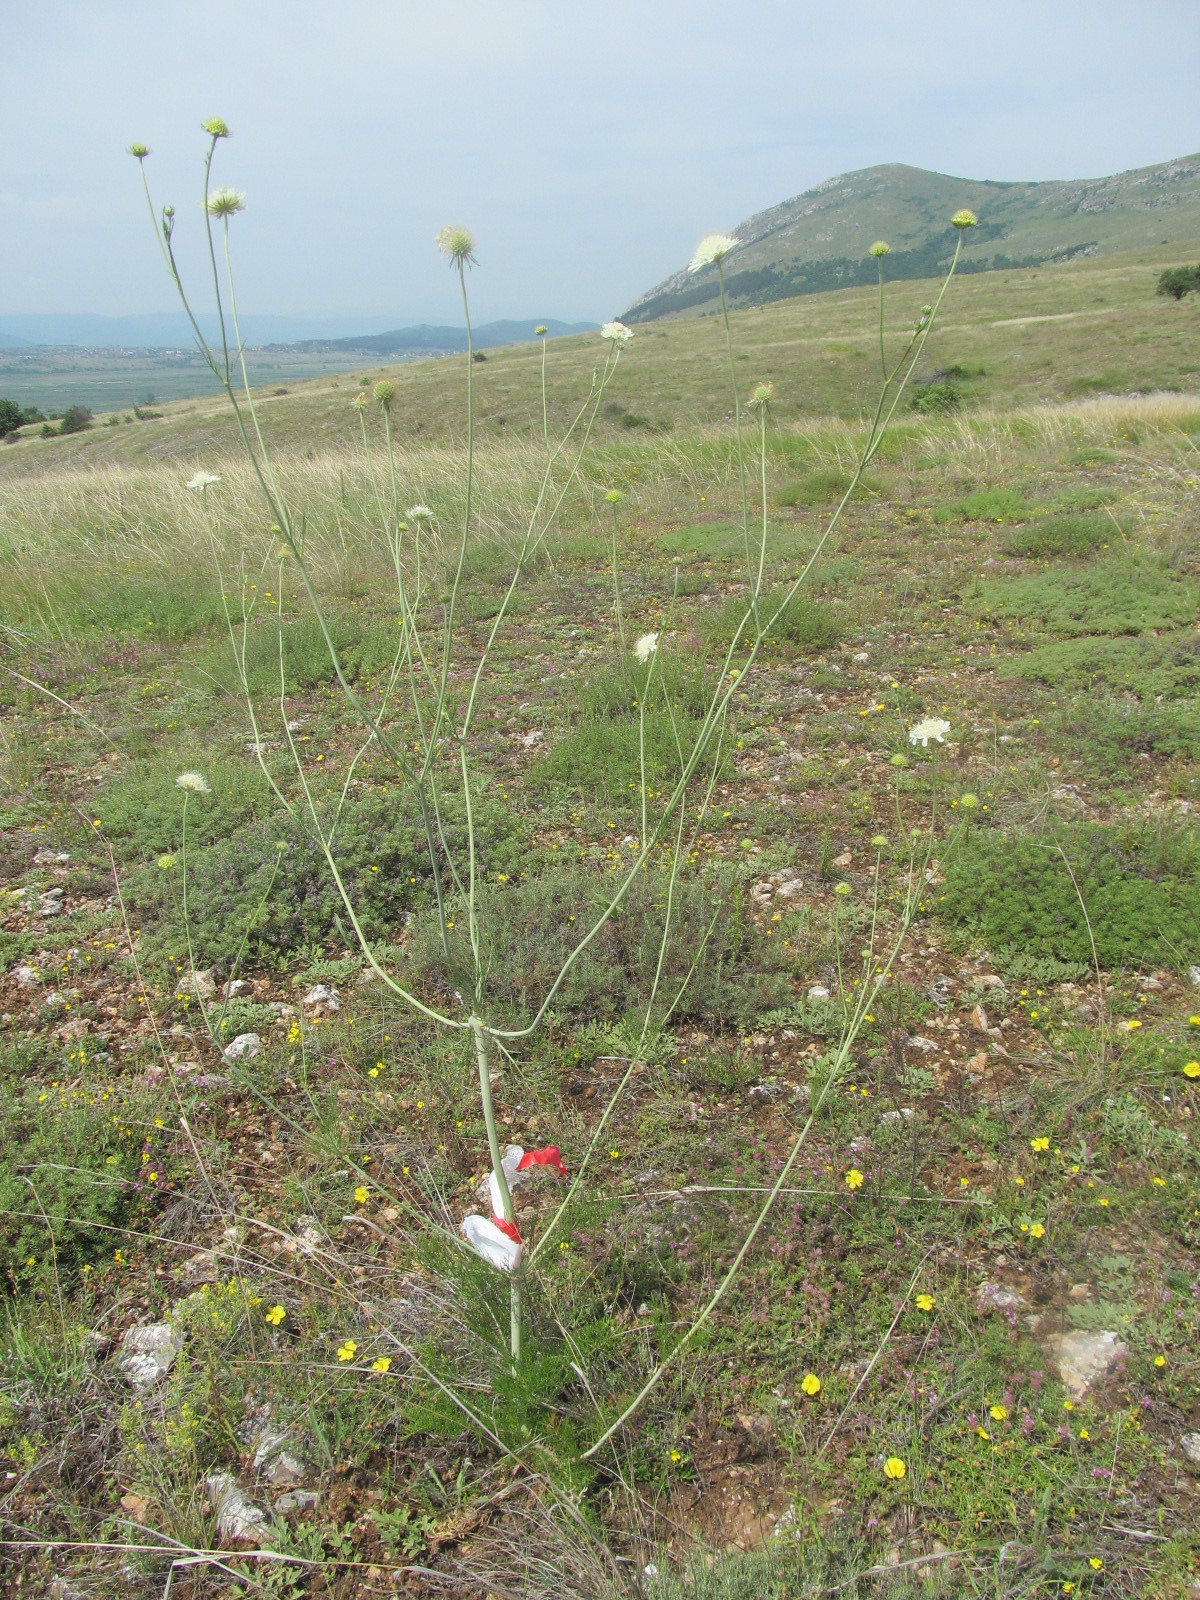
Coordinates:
275	1315
347	1351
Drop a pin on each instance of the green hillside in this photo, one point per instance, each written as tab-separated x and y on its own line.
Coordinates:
1016	337
819	240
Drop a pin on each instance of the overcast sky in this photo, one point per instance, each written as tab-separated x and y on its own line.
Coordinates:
587	144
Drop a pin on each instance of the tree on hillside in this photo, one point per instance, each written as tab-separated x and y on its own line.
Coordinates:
1178	281
10	416
75	419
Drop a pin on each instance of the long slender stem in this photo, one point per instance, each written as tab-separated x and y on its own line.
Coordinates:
545	413
489	1121
737	422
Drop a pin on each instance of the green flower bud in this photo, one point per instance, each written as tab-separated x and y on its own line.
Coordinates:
880	248
964	219
217	126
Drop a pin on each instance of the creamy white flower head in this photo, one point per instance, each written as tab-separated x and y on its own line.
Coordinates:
646	646
419	513
225	202
929	728
193	782
617	332
201	480
490	1241
712	248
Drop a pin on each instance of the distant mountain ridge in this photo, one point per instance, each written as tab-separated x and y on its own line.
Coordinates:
172	331
434	339
819	240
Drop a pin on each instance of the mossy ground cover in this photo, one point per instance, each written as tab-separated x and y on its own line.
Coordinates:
1010	1158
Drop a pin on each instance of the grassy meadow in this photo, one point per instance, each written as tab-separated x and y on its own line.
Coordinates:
1002	1158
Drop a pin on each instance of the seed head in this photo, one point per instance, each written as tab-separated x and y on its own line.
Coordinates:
360	400
225	202
385	392
618	333
217	126
964	219
712	248
139	151
761	396
880	248
458	244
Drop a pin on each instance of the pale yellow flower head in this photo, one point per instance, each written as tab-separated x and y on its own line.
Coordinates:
714	247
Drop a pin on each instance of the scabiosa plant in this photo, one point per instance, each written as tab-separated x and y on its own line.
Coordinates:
433	755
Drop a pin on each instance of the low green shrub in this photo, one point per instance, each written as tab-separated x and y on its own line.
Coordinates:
987	505
1167	667
75	1154
1112	597
1141	887
306	663
143	806
934	399
1106	732
532	926
1070	533
804	626
269	883
824	486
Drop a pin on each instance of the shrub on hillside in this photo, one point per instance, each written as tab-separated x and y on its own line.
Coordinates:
1141	887
1176	282
75	419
